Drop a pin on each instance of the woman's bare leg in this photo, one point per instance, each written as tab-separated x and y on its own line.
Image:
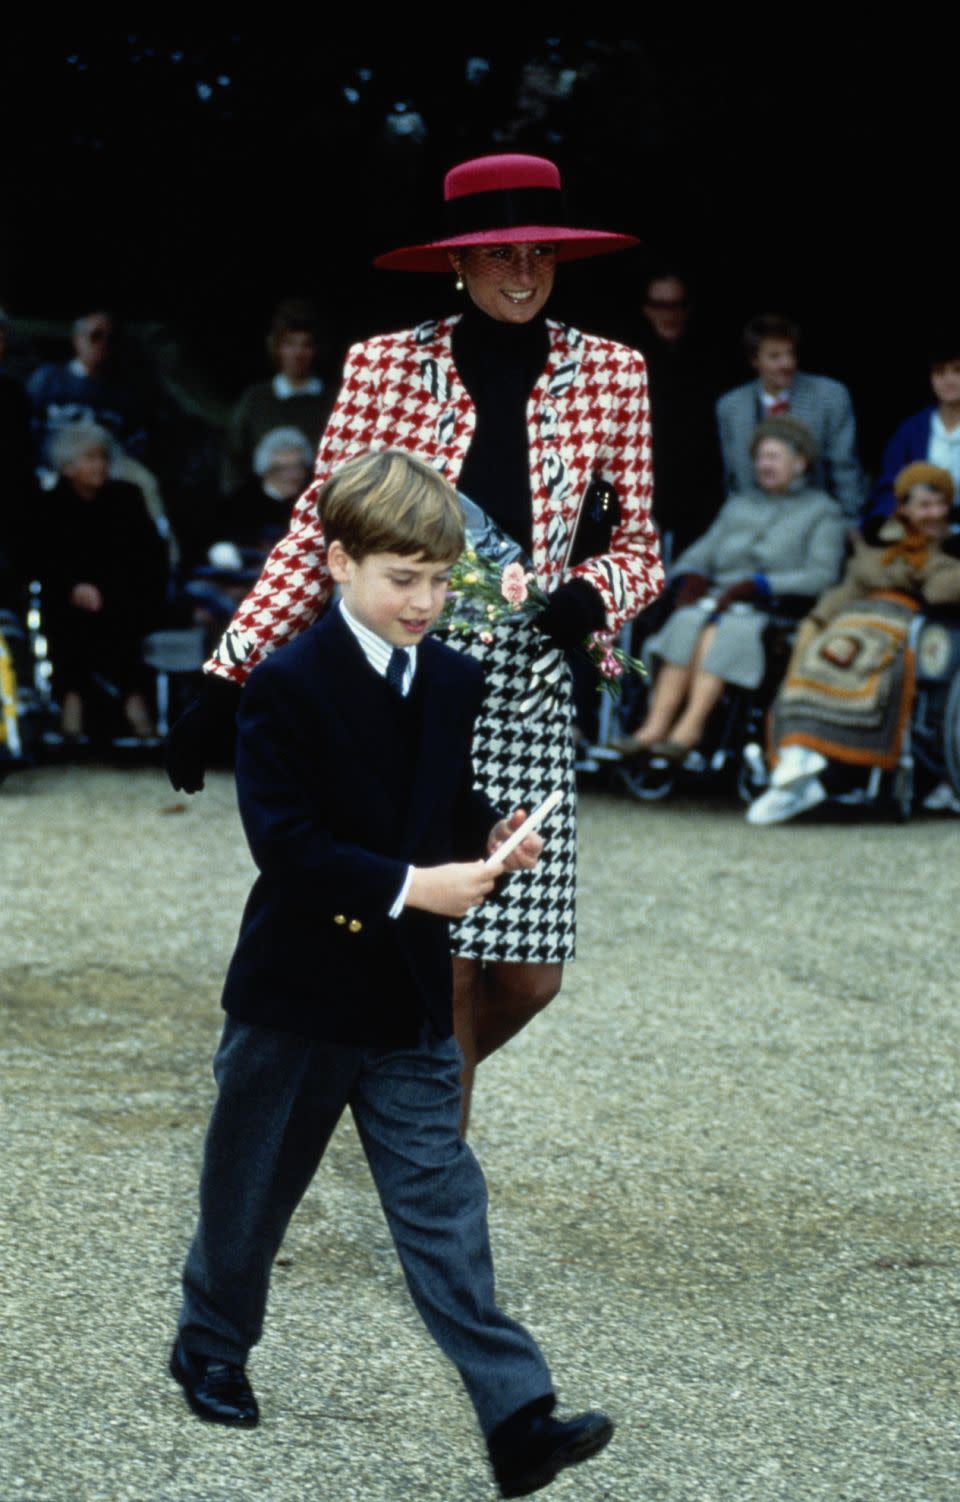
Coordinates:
491	1003
137	715
468	983
669	693
705	691
71	713
512	995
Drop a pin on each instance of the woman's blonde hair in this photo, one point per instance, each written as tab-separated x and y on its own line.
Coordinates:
391	502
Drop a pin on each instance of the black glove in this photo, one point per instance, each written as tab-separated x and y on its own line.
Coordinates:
572	612
199	731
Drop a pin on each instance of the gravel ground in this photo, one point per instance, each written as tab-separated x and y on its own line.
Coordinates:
722	1170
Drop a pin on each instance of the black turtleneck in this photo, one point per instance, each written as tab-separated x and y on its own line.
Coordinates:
499	364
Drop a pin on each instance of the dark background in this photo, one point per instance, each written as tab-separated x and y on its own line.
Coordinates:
190	182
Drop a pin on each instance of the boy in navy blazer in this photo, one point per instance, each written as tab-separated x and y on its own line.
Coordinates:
356	793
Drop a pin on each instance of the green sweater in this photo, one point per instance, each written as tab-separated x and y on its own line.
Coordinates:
257	413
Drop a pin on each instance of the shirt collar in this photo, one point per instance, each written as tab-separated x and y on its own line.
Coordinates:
377	651
282	389
772	401
946	436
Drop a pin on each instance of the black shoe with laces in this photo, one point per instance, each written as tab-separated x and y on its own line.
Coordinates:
528	1451
216	1390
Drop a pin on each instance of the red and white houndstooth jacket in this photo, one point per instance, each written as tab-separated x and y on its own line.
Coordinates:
587	417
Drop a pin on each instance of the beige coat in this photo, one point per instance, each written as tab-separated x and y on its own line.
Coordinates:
937	582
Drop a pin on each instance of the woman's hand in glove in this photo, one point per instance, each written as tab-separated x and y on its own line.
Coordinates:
572	613
199	731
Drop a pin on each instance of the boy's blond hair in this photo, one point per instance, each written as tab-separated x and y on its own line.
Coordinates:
391	502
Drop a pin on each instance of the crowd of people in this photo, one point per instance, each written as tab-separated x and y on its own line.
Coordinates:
759	493
128	517
384	773
792	436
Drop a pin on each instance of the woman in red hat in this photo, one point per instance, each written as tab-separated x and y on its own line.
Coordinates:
547	430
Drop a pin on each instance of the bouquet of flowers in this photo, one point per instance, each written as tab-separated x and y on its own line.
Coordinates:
484	591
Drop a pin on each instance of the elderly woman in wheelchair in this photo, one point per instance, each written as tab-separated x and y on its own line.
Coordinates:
780	539
844	706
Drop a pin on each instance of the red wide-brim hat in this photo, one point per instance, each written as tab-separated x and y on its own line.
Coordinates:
504	200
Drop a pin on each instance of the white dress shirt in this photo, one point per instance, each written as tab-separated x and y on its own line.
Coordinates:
944	447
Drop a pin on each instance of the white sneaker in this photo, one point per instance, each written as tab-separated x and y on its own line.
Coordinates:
777	805
943	800
796	762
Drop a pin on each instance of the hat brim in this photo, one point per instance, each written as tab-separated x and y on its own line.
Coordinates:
571	244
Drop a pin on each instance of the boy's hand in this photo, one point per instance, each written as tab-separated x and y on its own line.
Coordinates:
527	853
451	890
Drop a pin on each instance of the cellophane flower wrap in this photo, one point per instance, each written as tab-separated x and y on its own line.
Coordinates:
484	591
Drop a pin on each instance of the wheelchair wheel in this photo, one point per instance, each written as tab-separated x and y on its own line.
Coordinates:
647	783
951	733
752	775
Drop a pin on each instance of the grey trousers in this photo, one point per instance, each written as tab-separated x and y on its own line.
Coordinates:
280	1097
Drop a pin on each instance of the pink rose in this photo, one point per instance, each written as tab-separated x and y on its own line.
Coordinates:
513	585
486	637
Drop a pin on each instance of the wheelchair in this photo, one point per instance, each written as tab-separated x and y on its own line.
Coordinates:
930	753
30	715
26	703
730	758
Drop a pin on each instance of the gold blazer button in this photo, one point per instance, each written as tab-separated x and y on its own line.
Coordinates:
339	918
354	925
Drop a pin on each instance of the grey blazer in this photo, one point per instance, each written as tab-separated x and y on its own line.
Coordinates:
825	406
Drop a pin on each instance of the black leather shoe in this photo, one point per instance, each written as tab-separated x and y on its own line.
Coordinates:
530	1454
217	1391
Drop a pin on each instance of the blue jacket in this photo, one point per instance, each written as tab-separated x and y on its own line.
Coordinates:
909	443
335	809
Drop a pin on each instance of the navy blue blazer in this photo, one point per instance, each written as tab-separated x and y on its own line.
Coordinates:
910	442
333	819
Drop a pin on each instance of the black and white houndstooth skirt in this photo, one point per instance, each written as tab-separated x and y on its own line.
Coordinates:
522	751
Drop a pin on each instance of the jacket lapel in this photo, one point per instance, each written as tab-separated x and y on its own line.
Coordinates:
447	418
549	415
358	700
357	694
803	401
441	737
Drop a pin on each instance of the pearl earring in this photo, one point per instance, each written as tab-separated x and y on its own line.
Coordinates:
459	281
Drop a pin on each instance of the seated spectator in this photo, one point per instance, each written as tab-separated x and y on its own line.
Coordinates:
257	515
932	435
247	524
102	569
87	390
16	478
846	699
687	488
295	397
781	537
824	405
